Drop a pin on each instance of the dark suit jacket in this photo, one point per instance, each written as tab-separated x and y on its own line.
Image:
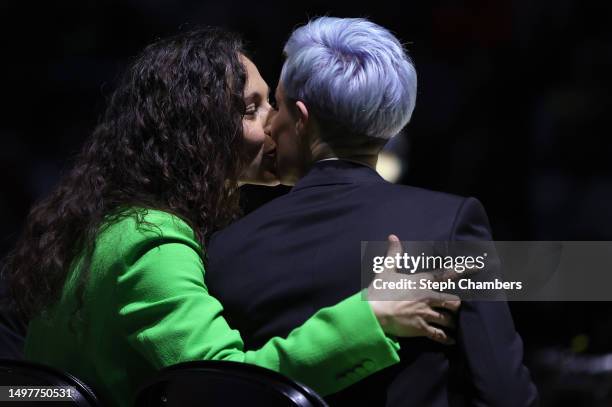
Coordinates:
274	268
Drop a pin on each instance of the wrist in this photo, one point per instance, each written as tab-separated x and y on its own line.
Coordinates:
382	315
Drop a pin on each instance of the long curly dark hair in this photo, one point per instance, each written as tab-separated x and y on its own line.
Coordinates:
170	139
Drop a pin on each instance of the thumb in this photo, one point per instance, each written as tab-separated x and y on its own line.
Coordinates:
395	246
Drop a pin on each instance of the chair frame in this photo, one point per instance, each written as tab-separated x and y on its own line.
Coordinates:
298	393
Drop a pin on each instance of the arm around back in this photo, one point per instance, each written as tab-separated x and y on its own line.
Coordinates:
169	317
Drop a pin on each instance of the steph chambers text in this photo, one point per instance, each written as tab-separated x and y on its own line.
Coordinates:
461	284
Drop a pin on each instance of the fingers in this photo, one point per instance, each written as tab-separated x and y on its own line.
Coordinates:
452	305
440	318
446	301
445	275
438	335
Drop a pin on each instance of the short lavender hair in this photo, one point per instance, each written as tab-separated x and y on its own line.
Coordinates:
352	73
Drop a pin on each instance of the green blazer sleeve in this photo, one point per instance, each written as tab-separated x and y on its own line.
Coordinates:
169	317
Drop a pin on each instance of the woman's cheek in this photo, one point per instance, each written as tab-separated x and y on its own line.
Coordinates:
253	139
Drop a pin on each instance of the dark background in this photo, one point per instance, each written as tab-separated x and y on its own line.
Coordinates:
512	109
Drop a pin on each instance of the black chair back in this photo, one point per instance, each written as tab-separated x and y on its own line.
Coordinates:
24	373
220	383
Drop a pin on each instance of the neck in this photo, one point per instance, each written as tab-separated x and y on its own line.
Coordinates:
321	151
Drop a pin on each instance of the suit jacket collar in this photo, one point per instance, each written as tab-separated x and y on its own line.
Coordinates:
336	172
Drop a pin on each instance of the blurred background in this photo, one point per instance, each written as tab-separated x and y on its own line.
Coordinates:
512	109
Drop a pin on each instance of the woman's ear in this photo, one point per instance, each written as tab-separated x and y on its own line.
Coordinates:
302	116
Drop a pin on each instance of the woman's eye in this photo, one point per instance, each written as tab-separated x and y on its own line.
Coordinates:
250	110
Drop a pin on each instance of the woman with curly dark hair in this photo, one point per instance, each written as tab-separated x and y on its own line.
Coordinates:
110	267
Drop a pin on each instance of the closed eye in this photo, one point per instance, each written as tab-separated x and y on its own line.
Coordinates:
250	110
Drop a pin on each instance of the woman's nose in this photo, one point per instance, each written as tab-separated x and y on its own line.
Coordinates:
268	123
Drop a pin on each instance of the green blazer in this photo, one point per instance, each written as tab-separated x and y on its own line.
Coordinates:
146	306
